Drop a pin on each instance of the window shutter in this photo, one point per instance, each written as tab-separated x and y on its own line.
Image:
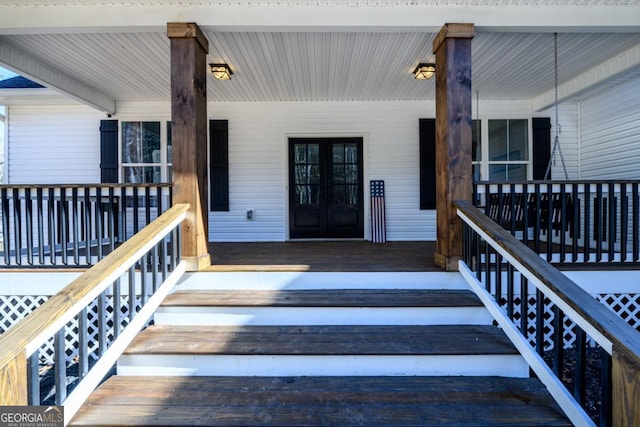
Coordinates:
108	151
219	164
427	164
541	146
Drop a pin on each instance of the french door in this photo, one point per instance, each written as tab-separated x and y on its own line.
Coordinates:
325	188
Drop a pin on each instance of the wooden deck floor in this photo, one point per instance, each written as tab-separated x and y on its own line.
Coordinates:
323	256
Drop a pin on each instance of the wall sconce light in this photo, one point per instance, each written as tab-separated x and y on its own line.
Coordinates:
221	71
424	71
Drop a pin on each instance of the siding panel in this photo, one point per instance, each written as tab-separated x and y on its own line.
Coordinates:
64	142
54	144
611	133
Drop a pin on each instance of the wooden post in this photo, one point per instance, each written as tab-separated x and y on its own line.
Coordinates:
189	48
625	393
452	47
13	381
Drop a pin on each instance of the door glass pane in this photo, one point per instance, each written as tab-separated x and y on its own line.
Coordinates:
300	153
351	153
351	175
307	173
314	153
352	194
338	153
338	174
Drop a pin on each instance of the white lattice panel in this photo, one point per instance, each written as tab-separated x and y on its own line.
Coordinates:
15	308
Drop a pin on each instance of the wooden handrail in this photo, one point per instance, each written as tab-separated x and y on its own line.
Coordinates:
619	338
28	335
601	318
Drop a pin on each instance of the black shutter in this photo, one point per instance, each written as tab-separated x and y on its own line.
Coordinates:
427	163
108	151
541	146
219	164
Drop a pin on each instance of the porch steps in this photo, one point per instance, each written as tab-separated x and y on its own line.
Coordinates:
251	357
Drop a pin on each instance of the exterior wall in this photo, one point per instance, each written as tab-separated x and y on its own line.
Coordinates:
57	144
611	133
48	145
568	140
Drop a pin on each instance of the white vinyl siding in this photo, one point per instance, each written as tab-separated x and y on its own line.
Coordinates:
611	133
62	144
568	140
53	145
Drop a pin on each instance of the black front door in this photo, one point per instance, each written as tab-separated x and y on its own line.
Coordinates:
325	188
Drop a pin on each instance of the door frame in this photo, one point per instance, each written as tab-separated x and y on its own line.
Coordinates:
365	177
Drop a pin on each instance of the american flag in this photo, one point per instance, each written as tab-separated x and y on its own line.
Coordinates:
378	222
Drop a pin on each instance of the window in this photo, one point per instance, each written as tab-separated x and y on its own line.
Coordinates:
146	152
508	149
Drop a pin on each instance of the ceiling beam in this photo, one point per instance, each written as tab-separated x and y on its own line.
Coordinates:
87	19
627	64
32	69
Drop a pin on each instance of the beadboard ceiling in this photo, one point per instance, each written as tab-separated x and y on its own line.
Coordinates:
325	64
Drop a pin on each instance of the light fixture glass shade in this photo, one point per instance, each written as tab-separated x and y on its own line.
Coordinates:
424	71
221	71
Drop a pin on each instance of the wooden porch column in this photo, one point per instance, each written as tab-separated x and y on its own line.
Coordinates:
452	47
189	48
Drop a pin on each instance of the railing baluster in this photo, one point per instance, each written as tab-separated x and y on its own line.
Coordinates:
17	223
102	323
87	224
624	214
587	222
524	306
83	344
60	368
525	214
635	221
540	322
40	214
579	383
117	312
563	223
498	293
606	388
136	206
123	214
147	204
143	280
99	223
549	219
33	378
75	225
558	341
599	221
575	225
5	226
487	267
612	222
51	232
154	267
510	291
63	222
132	292
28	210
111	216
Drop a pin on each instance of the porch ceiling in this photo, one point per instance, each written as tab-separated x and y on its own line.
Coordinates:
102	54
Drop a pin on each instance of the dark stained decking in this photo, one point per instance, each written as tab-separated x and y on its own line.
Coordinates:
323	256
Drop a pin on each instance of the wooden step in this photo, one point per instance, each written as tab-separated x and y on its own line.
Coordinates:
322	350
320	401
322	307
324	298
